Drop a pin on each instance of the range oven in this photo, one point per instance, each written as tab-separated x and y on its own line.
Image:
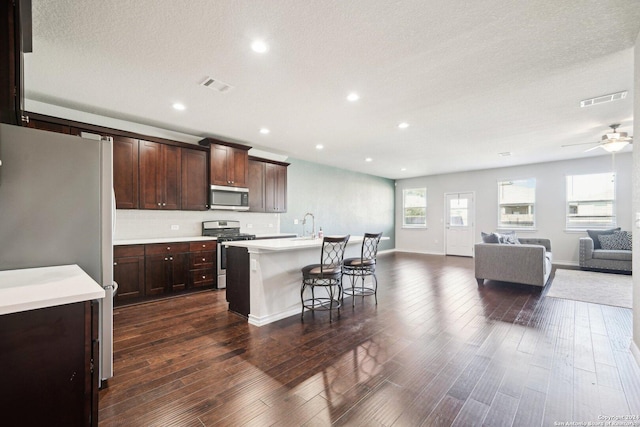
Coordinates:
224	231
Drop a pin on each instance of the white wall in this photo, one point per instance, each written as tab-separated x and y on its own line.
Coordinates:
550	202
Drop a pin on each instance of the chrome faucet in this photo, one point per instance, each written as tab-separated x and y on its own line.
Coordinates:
313	222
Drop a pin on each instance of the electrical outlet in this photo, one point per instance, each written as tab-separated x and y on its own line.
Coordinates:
270	225
254	265
249	225
295	221
175	227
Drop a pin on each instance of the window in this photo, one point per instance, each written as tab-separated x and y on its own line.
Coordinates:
591	200
516	203
414	207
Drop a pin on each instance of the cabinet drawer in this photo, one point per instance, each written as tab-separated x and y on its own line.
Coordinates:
199	278
128	251
201	259
207	245
166	248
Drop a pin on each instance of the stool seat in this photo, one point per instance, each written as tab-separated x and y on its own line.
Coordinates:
359	262
321	271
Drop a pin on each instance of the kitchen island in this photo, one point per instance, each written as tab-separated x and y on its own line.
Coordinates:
264	278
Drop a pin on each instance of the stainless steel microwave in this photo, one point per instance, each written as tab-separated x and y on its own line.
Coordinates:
229	198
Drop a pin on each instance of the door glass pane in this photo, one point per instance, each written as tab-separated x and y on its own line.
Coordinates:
458	212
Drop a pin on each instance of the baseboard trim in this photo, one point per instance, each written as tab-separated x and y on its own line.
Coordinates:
420	252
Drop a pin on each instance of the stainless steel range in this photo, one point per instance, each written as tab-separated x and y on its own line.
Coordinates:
224	231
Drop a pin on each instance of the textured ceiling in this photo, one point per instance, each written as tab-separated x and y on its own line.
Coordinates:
473	79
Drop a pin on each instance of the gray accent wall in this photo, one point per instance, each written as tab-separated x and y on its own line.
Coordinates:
550	203
342	201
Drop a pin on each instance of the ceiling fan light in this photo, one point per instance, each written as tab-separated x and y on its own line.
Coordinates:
615	146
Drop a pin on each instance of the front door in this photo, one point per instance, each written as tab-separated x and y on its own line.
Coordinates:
460	219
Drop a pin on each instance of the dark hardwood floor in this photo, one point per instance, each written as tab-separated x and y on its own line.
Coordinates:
436	350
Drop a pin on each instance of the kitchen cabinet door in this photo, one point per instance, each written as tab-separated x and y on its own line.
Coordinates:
171	177
160	176
179	272
275	188
238	175
156	274
150	175
195	182
256	186
128	272
125	172
229	165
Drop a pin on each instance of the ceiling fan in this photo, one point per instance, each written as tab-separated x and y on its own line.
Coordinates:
612	142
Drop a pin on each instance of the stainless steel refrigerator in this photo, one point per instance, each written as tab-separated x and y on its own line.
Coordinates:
57	208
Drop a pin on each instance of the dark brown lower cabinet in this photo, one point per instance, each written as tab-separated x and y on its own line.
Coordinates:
128	272
238	280
146	271
49	374
202	264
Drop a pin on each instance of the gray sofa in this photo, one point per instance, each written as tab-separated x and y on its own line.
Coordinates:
528	263
603	259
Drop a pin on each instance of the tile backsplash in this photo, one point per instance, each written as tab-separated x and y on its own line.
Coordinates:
144	224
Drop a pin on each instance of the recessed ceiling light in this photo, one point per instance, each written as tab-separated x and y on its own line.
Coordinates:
319	147
259	46
368	159
403	169
403	125
505	154
353	97
264	131
178	106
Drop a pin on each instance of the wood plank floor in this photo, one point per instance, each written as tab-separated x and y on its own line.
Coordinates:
436	350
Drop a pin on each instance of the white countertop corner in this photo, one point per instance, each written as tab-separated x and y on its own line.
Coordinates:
34	288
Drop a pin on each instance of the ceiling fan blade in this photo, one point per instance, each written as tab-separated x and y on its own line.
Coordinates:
593	148
580	143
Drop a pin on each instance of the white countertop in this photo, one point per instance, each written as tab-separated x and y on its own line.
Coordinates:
33	288
144	241
286	244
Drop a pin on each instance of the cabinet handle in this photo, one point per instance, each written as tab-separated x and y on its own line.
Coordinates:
168	248
164	204
158	203
204	277
204	246
166	259
115	263
170	258
203	259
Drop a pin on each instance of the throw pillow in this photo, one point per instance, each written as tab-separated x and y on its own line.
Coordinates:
618	241
490	237
509	238
595	233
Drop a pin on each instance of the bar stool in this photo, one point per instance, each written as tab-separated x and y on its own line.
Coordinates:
327	274
362	267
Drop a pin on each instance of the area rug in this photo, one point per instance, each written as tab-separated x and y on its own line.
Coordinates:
591	286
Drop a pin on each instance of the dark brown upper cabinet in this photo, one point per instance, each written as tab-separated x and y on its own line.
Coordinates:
160	176
195	181
267	186
125	172
229	163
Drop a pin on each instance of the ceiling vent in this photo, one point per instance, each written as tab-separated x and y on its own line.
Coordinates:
603	99
217	85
